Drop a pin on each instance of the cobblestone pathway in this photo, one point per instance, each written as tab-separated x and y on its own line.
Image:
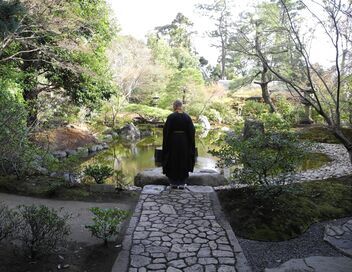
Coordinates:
178	230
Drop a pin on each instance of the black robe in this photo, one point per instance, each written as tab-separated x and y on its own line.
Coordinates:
178	146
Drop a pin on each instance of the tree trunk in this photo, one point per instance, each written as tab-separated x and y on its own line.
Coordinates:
223	62
344	140
265	91
30	96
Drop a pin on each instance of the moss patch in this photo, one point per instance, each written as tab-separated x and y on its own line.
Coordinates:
283	213
320	134
48	187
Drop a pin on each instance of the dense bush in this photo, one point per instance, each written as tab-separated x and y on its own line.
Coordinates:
262	160
226	109
106	222
254	110
16	153
98	172
286	116
8	222
148	112
41	229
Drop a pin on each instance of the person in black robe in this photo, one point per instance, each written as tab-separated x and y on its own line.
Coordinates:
178	146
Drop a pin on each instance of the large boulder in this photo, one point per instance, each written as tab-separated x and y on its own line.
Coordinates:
130	132
203	120
252	128
199	177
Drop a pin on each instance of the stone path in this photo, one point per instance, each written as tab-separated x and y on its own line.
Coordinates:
180	230
315	264
340	237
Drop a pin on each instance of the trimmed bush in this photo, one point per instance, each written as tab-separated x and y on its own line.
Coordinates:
106	222
41	229
262	160
98	172
8	222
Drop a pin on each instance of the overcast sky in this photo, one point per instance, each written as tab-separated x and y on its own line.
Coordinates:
138	17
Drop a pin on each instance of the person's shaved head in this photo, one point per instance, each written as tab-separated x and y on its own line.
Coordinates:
177	104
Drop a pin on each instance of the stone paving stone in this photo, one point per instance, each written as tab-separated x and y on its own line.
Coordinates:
340	237
315	264
177	231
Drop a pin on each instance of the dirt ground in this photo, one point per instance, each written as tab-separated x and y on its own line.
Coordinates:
64	138
83	253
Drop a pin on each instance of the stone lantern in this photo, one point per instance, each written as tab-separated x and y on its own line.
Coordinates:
307	118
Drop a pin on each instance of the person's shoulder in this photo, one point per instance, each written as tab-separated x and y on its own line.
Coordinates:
170	115
187	115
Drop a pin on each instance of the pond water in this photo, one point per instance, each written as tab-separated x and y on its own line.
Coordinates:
133	157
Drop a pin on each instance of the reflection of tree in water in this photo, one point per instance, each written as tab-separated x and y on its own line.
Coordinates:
132	158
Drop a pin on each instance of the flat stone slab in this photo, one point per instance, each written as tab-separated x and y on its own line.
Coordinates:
315	264
205	177
340	237
153	189
179	230
102	188
200	189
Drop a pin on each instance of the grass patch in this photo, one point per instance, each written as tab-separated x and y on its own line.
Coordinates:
56	188
321	134
275	215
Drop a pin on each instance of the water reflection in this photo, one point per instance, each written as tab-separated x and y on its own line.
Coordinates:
132	158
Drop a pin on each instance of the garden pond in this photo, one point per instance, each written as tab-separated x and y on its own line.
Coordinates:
133	157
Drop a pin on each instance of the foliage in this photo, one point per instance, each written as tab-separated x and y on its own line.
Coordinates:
8	222
220	13
186	84
254	110
287	213
178	33
18	155
137	74
324	89
57	45
41	229
262	160
225	106
290	111
282	119
98	172
120	179
148	112
106	222
321	134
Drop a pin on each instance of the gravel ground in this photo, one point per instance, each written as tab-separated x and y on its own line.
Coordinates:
262	255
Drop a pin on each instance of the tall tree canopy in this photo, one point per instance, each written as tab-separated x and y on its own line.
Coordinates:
51	45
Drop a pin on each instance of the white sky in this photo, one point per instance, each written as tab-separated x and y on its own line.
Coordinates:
138	17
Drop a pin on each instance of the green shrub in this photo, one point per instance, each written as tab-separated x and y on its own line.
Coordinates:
41	229
148	112
106	222
120	179
262	160
8	222
254	110
274	122
98	172
226	109
288	110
